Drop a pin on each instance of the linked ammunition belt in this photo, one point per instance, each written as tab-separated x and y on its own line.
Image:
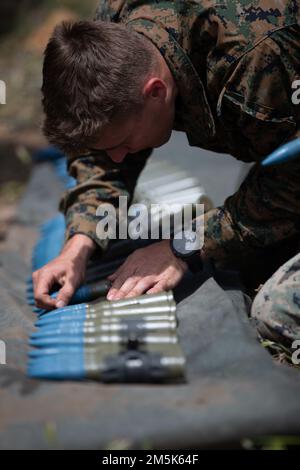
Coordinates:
130	340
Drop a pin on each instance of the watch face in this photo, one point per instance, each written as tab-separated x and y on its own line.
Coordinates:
187	245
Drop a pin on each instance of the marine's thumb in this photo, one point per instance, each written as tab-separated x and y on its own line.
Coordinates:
65	294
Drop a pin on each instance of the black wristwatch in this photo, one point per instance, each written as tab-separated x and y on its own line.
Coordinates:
182	247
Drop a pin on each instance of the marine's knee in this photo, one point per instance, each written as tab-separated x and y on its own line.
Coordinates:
264	311
276	308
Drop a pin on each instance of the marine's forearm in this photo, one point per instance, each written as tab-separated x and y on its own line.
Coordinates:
99	180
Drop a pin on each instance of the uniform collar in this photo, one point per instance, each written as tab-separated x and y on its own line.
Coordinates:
194	110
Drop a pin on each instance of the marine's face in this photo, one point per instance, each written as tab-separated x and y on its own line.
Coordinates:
150	128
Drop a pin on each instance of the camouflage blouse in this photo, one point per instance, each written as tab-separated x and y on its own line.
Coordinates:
234	63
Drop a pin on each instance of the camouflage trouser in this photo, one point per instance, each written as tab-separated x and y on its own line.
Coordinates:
276	308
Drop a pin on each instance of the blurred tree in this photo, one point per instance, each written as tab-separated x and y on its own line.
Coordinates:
10	11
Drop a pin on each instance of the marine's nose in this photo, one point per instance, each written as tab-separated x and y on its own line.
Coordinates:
118	155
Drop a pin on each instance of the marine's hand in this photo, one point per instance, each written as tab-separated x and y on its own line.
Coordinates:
151	269
67	270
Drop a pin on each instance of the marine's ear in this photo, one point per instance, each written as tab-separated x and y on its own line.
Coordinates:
155	88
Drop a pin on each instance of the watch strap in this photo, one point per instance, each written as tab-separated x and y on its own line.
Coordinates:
194	262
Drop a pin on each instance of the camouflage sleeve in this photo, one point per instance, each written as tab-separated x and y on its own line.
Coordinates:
99	180
256	108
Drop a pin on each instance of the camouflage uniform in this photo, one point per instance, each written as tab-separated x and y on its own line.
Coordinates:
234	63
276	308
